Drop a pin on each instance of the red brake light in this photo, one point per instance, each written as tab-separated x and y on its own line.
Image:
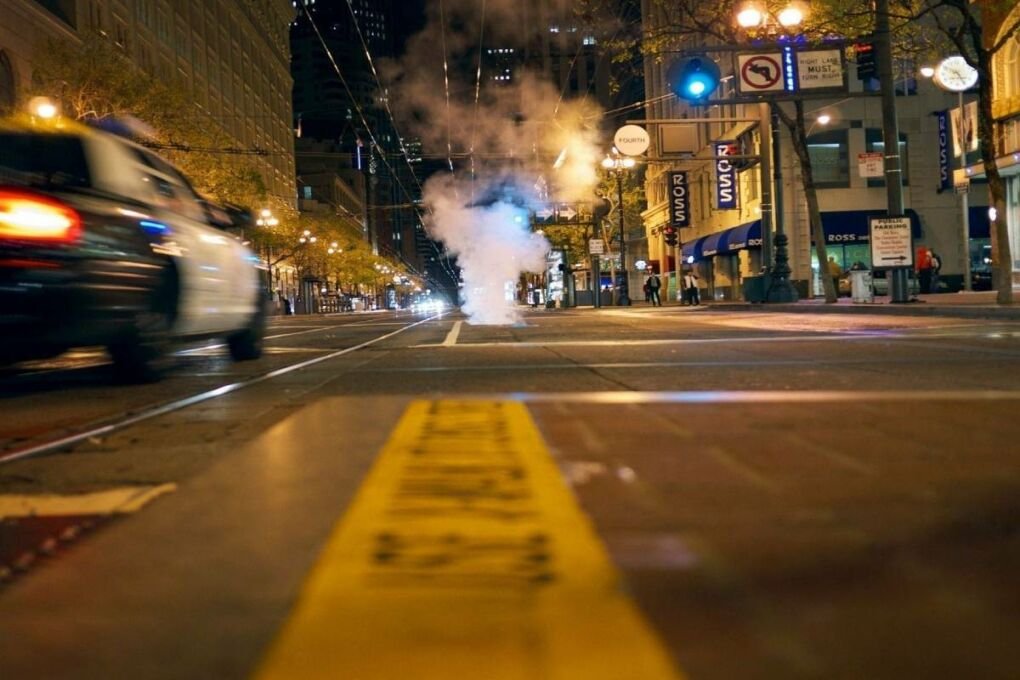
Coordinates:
26	216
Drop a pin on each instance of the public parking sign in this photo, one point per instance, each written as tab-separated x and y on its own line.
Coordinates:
892	243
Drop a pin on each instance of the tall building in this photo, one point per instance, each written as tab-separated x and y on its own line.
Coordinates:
550	38
232	56
347	108
1006	110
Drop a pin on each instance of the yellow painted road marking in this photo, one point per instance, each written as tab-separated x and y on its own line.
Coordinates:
122	500
464	555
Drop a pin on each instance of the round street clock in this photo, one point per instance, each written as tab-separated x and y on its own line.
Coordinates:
955	74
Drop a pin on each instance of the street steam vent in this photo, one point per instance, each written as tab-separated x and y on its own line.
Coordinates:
493	245
484	113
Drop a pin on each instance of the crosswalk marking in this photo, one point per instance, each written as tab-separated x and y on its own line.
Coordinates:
121	500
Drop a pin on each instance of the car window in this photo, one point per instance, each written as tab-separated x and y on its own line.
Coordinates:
171	189
49	159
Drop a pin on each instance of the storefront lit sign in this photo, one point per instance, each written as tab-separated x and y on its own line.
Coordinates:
679	200
945	175
725	176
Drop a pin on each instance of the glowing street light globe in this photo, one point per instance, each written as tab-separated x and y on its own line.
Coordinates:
791	16
750	17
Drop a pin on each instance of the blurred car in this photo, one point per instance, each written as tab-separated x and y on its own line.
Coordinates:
102	242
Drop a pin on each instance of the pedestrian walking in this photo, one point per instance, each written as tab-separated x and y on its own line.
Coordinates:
691	292
652	286
936	267
835	271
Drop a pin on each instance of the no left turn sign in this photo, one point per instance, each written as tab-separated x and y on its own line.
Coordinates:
760	72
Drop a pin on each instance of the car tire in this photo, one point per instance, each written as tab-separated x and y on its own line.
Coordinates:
143	352
246	345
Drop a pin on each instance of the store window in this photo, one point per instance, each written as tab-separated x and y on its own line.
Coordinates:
1008	71
874	142
830	158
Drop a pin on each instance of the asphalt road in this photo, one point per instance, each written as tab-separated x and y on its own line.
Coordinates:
786	496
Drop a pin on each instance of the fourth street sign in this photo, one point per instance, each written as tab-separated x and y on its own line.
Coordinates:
891	242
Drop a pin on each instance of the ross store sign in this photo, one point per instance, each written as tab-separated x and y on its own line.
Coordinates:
679	199
726	176
945	173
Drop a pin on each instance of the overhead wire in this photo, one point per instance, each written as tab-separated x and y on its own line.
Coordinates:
478	92
393	121
446	87
361	113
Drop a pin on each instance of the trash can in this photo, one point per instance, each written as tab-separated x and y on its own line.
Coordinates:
861	289
756	288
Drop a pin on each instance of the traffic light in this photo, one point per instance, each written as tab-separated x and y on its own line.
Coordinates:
866	68
670	234
693	78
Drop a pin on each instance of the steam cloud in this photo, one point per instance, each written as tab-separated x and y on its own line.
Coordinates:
504	147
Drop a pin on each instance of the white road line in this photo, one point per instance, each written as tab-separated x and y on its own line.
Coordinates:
120	500
671	341
451	337
754	397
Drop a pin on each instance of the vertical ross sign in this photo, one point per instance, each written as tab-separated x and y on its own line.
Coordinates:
679	201
945	175
725	176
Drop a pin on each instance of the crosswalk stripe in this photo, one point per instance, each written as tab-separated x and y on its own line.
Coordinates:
464	555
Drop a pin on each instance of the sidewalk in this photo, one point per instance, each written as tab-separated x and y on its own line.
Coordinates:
974	305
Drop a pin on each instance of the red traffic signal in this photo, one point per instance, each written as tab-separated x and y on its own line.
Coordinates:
671	235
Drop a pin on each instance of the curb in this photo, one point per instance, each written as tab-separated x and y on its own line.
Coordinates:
906	309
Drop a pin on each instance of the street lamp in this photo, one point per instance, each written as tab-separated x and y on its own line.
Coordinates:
618	165
954	74
43	107
756	20
266	218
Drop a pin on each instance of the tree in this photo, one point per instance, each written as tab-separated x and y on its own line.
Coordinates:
961	22
95	80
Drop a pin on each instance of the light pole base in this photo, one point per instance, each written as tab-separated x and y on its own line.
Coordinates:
781	291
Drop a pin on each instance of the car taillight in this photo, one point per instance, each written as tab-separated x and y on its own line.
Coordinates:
29	217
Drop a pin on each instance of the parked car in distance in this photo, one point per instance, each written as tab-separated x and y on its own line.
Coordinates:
102	242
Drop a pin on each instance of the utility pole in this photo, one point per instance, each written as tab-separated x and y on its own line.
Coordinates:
898	284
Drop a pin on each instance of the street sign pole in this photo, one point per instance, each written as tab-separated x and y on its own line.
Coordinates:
898	288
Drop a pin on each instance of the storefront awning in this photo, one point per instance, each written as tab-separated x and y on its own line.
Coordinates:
851	226
710	244
744	236
724	242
